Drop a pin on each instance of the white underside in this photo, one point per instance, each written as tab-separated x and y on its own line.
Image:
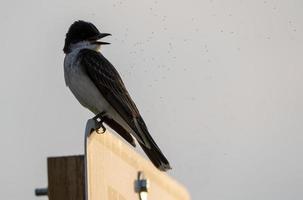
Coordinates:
85	90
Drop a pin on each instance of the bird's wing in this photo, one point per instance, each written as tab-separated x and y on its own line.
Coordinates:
108	81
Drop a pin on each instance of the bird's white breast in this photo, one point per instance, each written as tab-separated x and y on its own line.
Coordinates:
85	90
81	85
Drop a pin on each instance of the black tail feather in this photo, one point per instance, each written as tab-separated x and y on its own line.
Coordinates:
154	153
157	158
152	150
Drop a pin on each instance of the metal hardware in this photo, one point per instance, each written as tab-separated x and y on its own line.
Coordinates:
142	185
41	191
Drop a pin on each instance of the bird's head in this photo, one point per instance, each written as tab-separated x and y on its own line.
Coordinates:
81	32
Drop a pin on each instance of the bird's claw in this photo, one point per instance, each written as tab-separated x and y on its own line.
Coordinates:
100	126
99	123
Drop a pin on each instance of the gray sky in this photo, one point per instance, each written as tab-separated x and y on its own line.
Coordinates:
219	84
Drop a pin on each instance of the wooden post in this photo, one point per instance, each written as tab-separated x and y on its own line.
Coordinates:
66	178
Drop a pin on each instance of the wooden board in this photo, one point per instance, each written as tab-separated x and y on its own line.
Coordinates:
113	167
66	178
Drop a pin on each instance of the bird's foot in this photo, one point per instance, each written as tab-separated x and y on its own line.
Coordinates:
95	124
99	119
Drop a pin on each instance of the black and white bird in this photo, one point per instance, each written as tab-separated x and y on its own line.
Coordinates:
98	86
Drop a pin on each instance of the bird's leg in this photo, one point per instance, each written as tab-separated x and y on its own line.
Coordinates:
95	123
99	119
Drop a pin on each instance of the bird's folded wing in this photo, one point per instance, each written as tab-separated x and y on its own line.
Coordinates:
108	81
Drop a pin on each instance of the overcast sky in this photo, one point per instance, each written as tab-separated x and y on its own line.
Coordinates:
219	84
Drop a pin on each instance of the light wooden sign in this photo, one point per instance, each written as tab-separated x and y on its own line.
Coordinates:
112	172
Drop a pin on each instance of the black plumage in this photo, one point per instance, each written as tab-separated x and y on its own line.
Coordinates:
96	69
111	86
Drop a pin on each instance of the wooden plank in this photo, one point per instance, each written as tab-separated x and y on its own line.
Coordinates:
113	168
66	178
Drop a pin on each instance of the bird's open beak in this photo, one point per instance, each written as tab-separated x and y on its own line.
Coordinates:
101	35
100	43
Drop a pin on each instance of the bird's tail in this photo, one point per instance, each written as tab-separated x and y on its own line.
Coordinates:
152	150
157	157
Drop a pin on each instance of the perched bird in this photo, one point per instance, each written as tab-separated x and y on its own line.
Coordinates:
98	86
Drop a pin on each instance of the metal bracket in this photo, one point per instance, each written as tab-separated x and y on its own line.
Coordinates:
141	186
41	191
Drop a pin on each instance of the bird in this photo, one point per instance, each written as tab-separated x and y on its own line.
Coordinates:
97	86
